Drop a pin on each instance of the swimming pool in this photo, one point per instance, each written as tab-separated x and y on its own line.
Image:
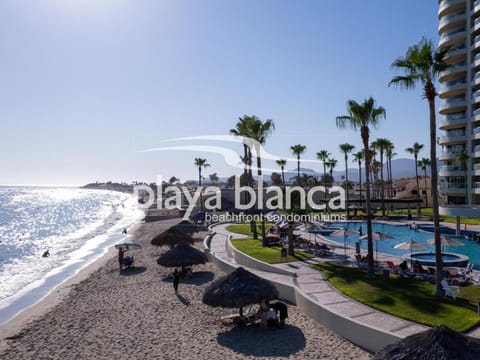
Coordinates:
428	259
401	233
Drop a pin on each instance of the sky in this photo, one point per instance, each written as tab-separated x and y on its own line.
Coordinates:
89	88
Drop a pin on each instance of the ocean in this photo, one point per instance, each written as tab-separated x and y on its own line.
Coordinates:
76	226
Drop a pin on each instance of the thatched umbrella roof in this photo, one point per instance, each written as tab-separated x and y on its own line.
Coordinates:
171	237
182	254
439	343
187	227
238	289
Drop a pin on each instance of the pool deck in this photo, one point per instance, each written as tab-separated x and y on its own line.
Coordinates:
362	325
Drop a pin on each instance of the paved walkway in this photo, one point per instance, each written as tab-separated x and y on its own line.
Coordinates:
314	285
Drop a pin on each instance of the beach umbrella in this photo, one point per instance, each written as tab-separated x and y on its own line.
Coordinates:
445	241
439	343
410	245
344	233
238	289
377	235
128	245
171	237
182	254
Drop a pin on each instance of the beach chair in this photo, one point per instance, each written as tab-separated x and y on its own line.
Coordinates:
452	291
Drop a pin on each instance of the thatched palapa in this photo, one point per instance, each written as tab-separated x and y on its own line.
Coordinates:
238	289
171	237
439	343
182	254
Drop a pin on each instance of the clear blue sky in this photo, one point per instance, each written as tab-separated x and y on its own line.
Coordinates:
85	85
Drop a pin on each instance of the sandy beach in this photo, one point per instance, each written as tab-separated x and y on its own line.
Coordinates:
103	313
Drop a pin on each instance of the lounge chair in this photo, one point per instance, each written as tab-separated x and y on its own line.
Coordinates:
452	291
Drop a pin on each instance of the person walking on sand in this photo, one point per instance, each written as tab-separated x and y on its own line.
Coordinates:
121	254
176	279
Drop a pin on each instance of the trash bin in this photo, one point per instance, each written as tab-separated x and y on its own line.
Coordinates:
386	274
357	247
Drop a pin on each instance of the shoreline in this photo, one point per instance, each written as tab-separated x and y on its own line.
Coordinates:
103	313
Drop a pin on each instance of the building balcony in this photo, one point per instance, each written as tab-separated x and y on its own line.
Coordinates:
450	6
453	72
449	107
450	170
452	39
447	155
448	124
451	21
450	140
452	189
457	88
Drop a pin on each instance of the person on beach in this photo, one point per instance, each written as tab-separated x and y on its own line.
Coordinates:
124	232
46	253
176	280
121	254
264	306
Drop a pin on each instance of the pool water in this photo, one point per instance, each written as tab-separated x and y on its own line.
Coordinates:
401	233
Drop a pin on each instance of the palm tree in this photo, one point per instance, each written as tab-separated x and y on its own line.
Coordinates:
423	163
259	131
414	150
362	116
382	145
390	154
358	157
346	149
421	65
298	150
282	163
200	163
323	156
331	163
462	157
242	130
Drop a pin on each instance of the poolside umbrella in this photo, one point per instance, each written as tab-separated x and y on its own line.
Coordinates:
182	254
238	289
445	241
377	235
410	245
344	233
171	237
440	343
128	245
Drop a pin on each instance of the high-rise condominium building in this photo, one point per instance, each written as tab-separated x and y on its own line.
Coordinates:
459	91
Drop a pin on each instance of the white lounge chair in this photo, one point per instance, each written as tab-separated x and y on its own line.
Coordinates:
450	290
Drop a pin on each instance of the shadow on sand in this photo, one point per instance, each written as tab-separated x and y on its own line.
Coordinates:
255	341
199	278
133	271
183	300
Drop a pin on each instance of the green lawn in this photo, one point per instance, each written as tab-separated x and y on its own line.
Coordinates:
406	298
245	228
268	254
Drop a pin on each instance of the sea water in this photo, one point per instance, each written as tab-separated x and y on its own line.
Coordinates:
75	225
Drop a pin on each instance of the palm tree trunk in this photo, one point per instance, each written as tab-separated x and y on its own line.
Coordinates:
360	177
426	188
434	181
419	212
371	269
298	167
200	186
346	183
466	186
381	180
325	183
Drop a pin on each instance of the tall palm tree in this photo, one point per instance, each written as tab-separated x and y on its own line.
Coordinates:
259	131
346	149
358	157
390	154
421	65
362	116
298	150
462	157
423	164
242	130
323	155
414	150
282	163
201	163
381	145
331	164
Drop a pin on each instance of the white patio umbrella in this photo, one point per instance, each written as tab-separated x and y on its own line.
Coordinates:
344	232
445	241
410	245
377	235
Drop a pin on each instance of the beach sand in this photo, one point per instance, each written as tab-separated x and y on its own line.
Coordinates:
106	314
